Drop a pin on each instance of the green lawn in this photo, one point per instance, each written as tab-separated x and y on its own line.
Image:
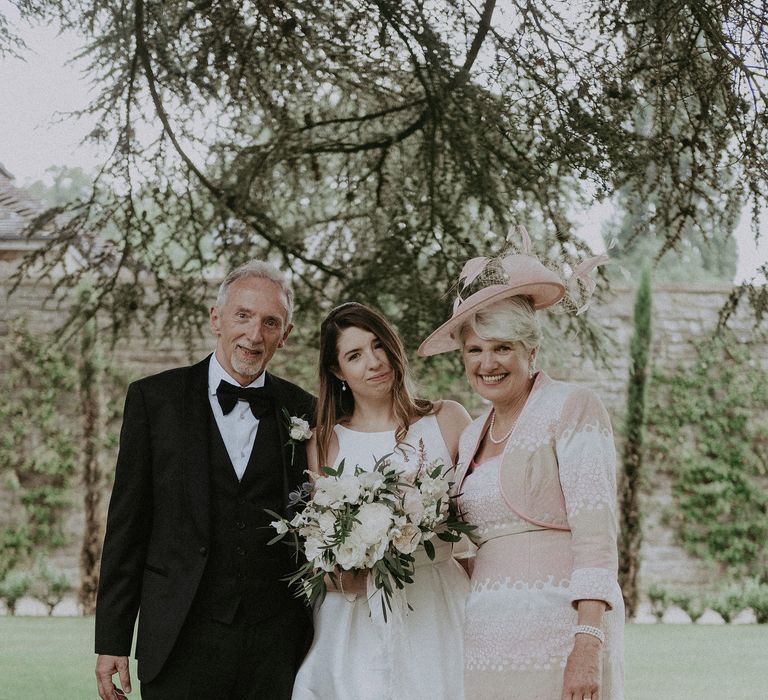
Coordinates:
43	658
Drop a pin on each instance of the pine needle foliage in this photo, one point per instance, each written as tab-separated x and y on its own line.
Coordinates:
372	146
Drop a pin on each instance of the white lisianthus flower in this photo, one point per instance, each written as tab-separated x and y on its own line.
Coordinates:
298	520
371	482
406	470
349	487
311	532
299	429
375	553
407	539
398	520
333	492
325	565
351	553
326	522
375	521
327	492
413	506
280	525
313	549
433	489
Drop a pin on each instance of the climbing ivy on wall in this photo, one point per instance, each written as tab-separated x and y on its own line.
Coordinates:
37	445
708	428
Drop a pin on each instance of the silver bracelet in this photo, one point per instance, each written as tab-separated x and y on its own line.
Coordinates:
593	631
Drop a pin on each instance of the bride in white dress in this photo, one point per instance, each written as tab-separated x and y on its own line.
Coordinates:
365	411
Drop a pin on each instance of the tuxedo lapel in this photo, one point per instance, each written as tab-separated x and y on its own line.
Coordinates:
293	461
197	415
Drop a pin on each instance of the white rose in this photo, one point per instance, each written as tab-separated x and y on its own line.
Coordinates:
350	554
375	521
299	429
407	539
280	525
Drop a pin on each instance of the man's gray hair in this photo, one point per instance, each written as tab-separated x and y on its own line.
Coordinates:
261	270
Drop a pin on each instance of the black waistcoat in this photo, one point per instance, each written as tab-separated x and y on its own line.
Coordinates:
243	574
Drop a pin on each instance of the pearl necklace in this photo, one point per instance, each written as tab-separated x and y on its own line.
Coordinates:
503	439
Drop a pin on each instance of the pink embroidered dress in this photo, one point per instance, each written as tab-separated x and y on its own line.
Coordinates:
545	511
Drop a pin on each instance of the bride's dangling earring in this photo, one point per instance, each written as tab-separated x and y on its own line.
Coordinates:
343	385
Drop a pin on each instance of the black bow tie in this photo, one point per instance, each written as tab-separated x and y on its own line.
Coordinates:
259	398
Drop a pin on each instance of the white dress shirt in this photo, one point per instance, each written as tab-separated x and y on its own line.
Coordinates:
238	428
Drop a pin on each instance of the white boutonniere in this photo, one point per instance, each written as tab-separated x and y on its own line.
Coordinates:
298	431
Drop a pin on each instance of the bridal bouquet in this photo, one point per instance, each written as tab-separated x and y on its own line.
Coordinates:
370	520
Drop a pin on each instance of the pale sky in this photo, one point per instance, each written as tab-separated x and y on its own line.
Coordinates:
35	92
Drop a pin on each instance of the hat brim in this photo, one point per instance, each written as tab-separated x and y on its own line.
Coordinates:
542	294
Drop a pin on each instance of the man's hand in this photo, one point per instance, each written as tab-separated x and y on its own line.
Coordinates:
106	667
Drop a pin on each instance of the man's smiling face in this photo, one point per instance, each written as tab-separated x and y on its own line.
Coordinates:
250	325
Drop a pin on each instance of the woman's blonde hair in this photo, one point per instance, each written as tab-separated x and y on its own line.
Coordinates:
512	319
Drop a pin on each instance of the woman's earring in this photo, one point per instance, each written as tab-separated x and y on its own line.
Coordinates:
343	385
530	371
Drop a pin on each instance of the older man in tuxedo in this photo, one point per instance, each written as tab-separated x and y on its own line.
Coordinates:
204	451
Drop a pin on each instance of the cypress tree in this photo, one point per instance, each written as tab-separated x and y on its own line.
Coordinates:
630	531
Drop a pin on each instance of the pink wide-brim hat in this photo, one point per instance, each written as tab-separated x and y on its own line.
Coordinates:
526	277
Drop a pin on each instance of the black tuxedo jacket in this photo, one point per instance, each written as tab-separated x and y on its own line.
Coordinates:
158	520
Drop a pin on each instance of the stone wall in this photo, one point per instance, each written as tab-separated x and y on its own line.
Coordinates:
681	314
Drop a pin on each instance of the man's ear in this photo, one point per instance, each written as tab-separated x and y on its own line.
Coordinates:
285	335
215	321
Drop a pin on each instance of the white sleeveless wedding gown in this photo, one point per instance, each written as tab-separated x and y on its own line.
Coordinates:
416	654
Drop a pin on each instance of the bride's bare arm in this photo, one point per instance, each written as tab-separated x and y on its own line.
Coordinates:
452	418
312	454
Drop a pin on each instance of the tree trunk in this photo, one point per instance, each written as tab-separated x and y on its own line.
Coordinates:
91	394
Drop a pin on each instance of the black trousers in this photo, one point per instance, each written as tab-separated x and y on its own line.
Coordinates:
240	661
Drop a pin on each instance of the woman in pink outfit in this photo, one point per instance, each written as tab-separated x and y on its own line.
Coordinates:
537	477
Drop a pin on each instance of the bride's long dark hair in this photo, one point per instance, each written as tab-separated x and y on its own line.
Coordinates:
334	404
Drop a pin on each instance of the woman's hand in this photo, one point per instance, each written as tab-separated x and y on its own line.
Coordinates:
350	583
584	669
466	563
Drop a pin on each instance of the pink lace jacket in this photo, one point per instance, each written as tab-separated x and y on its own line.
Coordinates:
558	471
